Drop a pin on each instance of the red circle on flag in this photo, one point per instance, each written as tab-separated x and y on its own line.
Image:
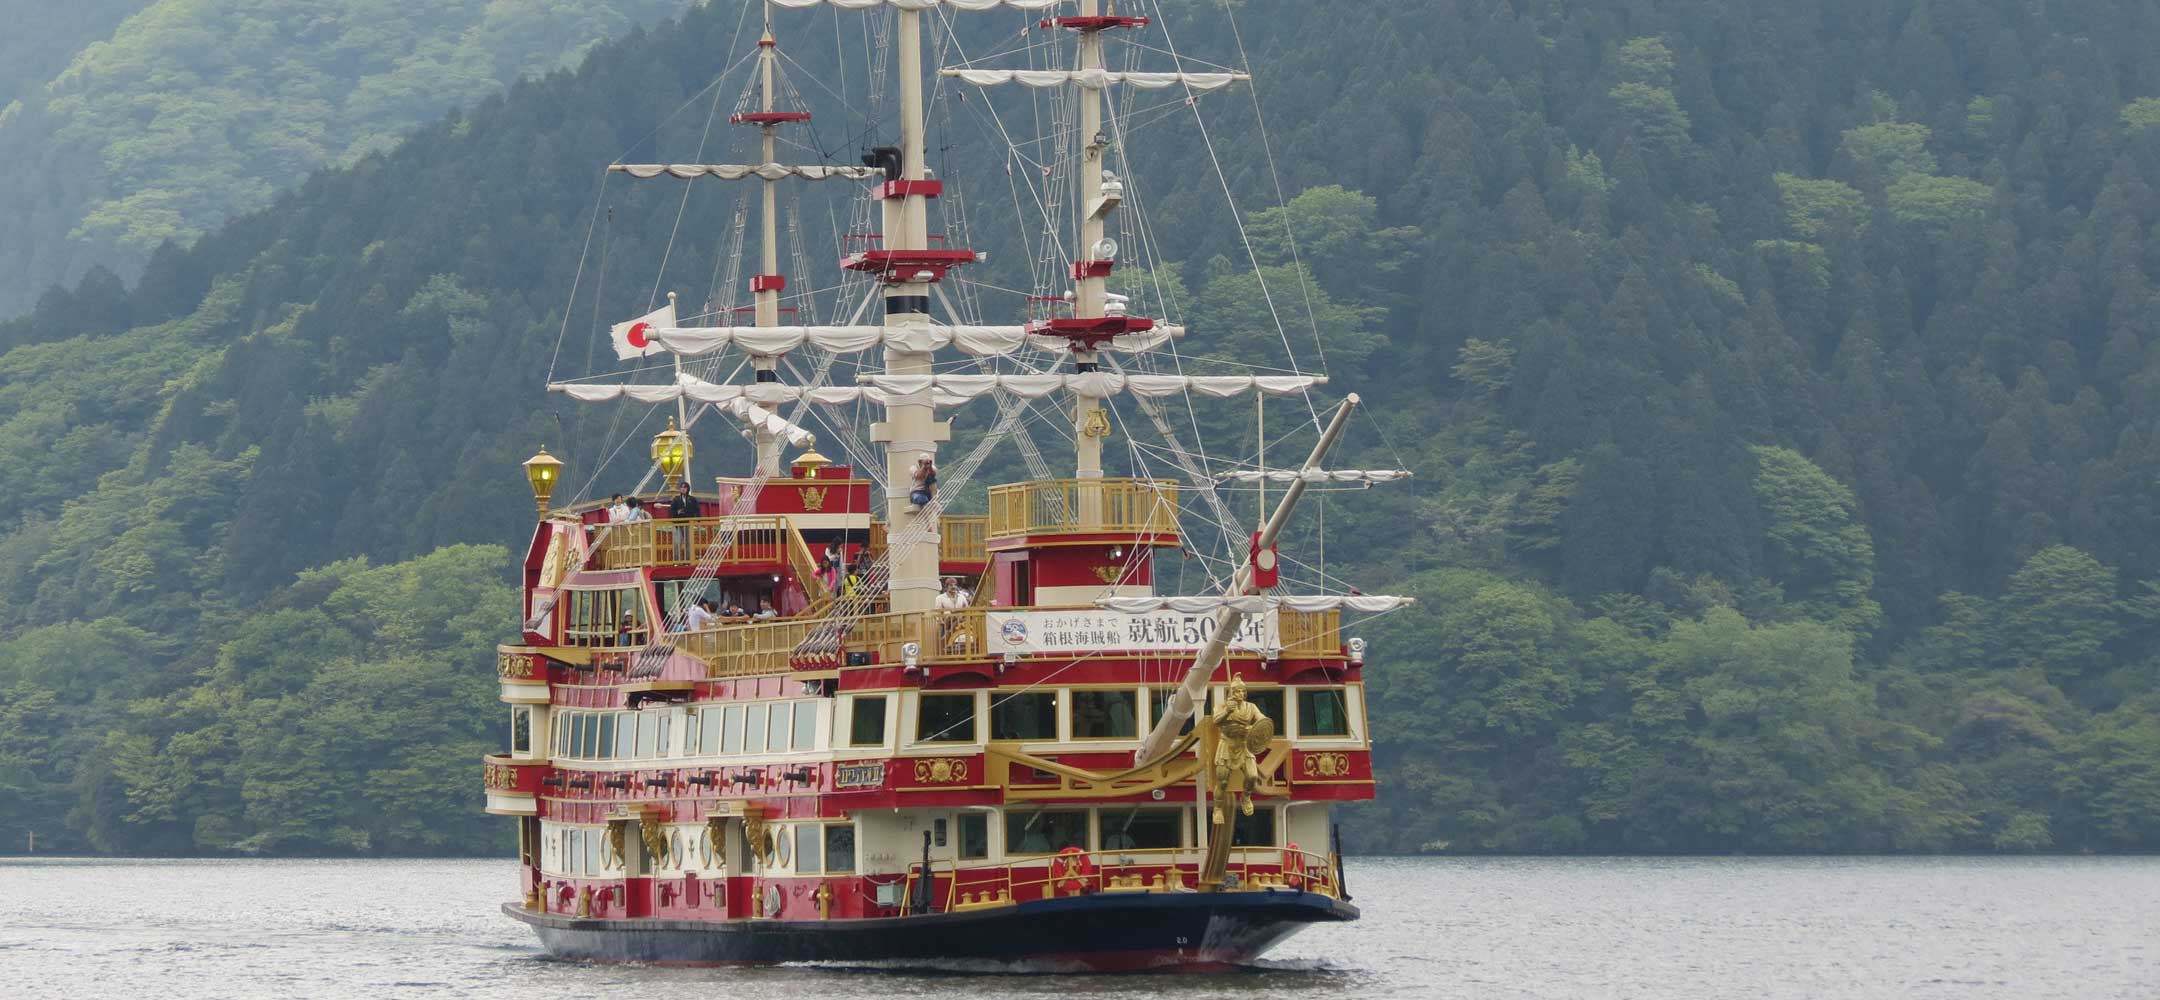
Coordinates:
637	335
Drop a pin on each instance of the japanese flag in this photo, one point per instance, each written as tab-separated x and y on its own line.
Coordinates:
634	339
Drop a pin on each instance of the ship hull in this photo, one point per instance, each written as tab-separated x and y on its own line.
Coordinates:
1106	932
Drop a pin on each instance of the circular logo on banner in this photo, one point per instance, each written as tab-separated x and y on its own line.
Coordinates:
1014	633
637	336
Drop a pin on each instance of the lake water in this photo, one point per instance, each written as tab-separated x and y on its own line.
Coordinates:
1433	928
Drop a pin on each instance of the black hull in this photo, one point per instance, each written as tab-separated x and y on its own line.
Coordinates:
1102	932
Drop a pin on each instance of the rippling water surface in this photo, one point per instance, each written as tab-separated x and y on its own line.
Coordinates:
1433	928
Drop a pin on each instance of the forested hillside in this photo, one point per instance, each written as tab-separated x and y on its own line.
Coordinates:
124	125
1782	377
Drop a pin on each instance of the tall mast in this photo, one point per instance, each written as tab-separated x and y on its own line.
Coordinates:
1089	425
910	429
765	288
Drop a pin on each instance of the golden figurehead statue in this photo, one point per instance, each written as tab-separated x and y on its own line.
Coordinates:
1241	731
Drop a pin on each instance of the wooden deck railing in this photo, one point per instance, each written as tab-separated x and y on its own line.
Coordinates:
682	542
1119	505
963	538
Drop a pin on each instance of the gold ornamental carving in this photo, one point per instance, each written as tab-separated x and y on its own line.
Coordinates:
1327	765
516	666
584	901
1242	731
500	778
1096	424
941	770
611	846
760	838
824	900
655	837
813	497
1109	574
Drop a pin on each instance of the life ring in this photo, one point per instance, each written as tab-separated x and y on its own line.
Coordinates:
1293	866
1071	869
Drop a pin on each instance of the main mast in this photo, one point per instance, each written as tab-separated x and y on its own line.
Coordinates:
765	288
911	429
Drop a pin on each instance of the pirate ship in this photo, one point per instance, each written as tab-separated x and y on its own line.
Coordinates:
1054	763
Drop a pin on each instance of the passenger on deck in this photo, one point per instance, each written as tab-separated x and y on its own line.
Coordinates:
834	566
735	610
925	476
628	633
701	615
680	507
617	510
765	609
638	511
952	598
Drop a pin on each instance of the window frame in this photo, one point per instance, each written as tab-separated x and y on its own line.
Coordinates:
1087	827
884	714
974	720
1342	706
1072	713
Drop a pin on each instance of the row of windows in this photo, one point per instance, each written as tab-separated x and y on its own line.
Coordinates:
764	727
1090	714
791	726
582	735
1138	828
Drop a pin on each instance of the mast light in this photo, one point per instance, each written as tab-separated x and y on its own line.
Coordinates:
543	471
671	450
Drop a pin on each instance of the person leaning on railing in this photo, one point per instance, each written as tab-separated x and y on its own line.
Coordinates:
681	507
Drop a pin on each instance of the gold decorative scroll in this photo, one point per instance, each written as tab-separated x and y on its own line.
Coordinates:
941	770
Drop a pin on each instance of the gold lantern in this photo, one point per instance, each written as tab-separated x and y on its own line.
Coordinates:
543	471
671	451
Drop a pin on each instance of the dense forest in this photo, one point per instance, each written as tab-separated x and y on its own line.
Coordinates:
128	124
1782	378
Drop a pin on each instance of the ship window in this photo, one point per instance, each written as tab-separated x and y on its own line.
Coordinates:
1045	831
753	730
567	730
709	733
626	727
776	733
974	836
840	847
1142	829
1270	703
731	739
1256	830
866	726
1322	712
1030	716
691	721
521	730
1160	706
648	733
809	838
596	617
1104	715
573	851
606	746
805	725
945	718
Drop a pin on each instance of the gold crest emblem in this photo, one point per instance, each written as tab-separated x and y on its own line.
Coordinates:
1109	574
1097	423
813	497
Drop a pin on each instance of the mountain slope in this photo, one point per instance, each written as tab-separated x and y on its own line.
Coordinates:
194	111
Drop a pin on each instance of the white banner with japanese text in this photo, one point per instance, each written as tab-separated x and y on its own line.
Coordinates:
1090	629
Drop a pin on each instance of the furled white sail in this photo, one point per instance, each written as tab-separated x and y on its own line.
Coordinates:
1252	604
691	341
1317	475
1096	384
738	171
1094	79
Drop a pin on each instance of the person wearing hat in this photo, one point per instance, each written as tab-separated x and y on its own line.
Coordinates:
952	598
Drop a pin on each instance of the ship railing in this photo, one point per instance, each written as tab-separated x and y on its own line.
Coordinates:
1137	506
962	538
942	636
681	541
1143	870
